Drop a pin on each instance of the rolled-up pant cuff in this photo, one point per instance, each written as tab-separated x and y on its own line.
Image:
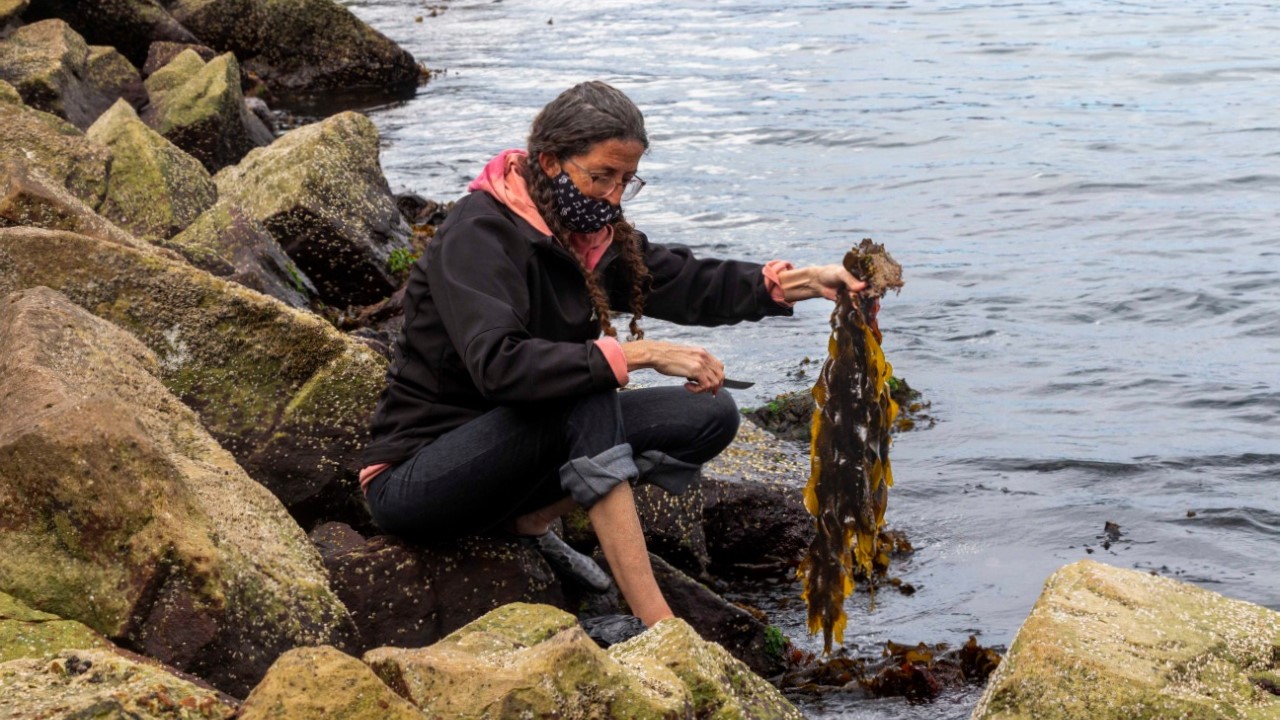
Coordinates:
588	480
658	468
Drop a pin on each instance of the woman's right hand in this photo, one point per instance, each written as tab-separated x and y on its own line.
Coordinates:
703	371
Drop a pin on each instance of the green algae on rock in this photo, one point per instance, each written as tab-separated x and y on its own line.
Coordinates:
319	683
29	633
30	198
851	475
55	146
1107	643
48	63
124	514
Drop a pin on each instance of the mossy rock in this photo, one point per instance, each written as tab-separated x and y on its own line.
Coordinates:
1107	643
321	193
321	683
47	62
128	25
54	146
101	684
238	358
124	514
28	633
155	190
115	75
28	197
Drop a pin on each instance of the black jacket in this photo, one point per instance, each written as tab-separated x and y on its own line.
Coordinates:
497	313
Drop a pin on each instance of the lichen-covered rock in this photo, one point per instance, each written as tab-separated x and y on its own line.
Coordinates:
123	513
162	53
321	683
155	190
48	63
128	25
266	380
1106	643
31	198
28	633
101	684
719	685
54	146
229	243
321	193
199	107
301	44
407	595
252	369
112	72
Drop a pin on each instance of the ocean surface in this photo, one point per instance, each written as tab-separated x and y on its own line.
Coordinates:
1085	196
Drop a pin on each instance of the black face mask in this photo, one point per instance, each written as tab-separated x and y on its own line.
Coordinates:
580	213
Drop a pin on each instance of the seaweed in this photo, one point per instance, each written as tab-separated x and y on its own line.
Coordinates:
850	474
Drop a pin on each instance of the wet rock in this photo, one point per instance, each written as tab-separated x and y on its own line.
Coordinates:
227	242
29	197
409	595
755	526
124	514
285	393
28	633
162	53
321	193
320	683
128	25
54	146
48	63
102	684
199	107
155	190
673	526
301	44
718	620
1103	643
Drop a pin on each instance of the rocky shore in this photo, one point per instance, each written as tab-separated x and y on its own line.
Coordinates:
195	311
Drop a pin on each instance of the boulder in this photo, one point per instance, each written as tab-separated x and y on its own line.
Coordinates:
321	193
155	190
11	10
129	25
103	684
162	53
48	63
321	683
28	633
536	661
124	514
289	396
54	146
112	73
673	526
1107	643
31	198
411	595
227	242
301	44
199	107
755	526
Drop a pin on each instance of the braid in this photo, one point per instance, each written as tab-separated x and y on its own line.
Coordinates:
624	236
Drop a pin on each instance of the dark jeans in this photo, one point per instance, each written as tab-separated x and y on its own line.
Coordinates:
517	459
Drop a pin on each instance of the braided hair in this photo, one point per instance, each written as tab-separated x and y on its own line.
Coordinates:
568	126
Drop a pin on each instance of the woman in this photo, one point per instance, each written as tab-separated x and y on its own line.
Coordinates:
502	410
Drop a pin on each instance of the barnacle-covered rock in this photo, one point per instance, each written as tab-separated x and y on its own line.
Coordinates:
129	25
31	198
48	63
54	146
320	683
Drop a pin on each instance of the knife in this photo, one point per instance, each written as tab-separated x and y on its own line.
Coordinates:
737	384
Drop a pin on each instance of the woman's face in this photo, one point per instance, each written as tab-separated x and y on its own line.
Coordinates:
607	163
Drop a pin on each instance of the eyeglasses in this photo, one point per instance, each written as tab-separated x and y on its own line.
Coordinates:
603	185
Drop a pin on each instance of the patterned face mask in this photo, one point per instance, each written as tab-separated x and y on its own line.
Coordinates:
580	213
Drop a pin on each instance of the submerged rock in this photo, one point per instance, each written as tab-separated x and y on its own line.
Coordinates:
1107	643
321	193
155	190
48	63
124	514
54	146
285	393
321	683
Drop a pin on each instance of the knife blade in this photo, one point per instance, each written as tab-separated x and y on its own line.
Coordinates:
737	384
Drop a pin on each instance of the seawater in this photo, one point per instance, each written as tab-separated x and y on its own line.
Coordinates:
1085	196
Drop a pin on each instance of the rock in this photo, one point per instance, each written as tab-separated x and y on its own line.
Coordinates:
301	44
673	526
285	393
29	197
124	514
155	190
199	107
755	526
11	10
757	455
717	620
320	683
533	660
1103	643
29	633
48	63
101	684
227	242
54	146
411	595
112	73
162	53
321	193
128	25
